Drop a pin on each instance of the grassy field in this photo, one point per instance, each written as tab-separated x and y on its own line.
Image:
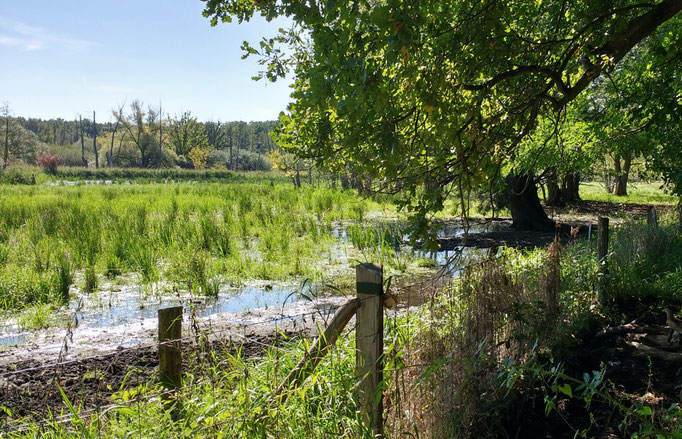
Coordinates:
638	192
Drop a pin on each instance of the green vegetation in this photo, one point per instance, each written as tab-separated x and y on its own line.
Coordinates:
190	234
489	343
536	91
532	93
194	237
638	192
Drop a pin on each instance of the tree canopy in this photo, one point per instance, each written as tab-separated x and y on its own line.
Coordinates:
437	95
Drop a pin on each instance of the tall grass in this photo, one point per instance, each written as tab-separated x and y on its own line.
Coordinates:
250	230
229	395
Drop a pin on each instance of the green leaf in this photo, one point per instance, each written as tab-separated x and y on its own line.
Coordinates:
566	390
645	411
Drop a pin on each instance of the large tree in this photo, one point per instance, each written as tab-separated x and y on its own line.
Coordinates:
635	109
436	94
187	133
142	130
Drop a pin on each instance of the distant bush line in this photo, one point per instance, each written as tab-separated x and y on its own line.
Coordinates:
33	175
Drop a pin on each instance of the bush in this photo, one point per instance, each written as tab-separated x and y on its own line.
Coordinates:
218	157
644	265
198	157
49	162
251	161
70	155
18	175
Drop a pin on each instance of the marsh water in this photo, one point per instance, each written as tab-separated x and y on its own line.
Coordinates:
122	303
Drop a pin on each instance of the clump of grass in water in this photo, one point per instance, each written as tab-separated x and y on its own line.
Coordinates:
39	316
91	282
112	266
64	276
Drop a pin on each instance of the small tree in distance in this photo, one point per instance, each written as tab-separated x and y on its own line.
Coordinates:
199	156
49	162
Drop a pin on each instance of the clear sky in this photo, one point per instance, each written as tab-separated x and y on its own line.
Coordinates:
62	58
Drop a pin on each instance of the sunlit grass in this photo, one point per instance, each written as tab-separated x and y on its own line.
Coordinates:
638	192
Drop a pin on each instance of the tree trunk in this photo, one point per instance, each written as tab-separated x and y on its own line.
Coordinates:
553	190
94	141
160	134
524	204
110	155
345	184
570	187
85	162
6	157
622	174
298	177
231	161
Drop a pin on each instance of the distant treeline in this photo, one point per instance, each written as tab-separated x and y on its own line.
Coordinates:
248	136
140	138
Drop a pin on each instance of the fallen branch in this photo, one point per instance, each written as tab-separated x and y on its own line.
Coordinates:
642	350
630	328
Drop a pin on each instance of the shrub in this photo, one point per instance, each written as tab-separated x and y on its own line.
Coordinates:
218	157
251	161
198	157
18	175
49	162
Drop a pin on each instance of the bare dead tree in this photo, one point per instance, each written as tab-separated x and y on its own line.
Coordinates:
6	114
80	122
110	154
94	141
160	132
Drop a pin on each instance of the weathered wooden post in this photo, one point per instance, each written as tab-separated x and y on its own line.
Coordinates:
603	251
651	218
369	342
170	347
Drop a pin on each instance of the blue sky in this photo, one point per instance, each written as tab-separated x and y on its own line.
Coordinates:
62	58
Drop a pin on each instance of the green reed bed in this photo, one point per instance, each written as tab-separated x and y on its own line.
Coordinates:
194	237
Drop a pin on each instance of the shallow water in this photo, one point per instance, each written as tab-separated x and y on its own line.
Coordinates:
117	305
121	307
106	309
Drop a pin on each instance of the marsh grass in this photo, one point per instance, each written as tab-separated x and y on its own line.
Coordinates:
453	368
244	230
37	317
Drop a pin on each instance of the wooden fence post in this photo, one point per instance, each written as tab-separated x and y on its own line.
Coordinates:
651	217
602	254
369	342
170	347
